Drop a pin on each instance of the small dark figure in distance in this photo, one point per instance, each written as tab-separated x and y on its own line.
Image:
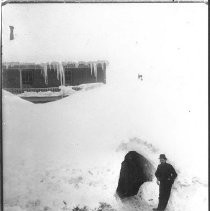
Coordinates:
166	175
11	32
140	77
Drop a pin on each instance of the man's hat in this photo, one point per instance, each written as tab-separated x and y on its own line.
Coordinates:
162	156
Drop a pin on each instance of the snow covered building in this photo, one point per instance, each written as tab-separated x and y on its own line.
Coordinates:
20	77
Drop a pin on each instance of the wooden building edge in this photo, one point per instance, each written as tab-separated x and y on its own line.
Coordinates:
20	77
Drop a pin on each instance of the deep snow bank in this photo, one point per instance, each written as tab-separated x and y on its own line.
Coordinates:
71	150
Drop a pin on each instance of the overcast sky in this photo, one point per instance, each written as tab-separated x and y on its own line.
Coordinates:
166	43
147	37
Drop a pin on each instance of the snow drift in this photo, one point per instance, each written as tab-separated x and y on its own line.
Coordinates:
68	153
71	150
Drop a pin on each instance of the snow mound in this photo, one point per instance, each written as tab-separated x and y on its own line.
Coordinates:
71	150
12	99
67	154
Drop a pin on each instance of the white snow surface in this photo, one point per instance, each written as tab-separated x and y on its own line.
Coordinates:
71	150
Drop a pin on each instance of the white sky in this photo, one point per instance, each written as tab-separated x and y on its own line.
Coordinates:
167	43
146	36
58	31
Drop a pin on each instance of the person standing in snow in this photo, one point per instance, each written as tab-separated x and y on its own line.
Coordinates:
166	175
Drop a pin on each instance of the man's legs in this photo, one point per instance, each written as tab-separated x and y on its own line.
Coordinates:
161	196
164	194
167	195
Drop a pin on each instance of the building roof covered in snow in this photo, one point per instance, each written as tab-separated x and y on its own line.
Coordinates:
52	74
24	65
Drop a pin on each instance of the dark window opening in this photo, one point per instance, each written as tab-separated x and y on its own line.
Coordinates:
68	76
27	77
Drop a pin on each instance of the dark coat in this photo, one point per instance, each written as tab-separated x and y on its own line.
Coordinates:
166	173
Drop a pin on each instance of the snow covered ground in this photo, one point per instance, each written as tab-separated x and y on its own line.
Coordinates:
71	150
68	153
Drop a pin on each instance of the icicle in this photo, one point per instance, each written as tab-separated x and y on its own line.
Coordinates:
104	66
91	68
44	72
95	70
49	65
64	79
76	64
7	65
60	73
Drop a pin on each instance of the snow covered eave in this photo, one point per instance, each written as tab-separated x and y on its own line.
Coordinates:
21	65
59	67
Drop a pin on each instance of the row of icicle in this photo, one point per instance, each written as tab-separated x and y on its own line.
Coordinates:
60	70
58	66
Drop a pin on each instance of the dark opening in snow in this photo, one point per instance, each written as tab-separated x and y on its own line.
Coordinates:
135	170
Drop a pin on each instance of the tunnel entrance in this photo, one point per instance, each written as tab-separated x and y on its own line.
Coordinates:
135	170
